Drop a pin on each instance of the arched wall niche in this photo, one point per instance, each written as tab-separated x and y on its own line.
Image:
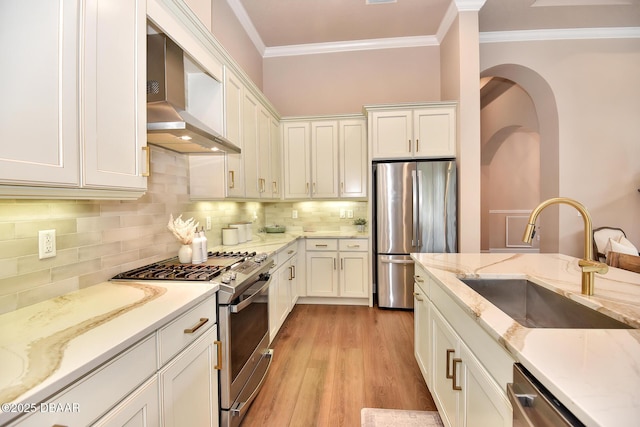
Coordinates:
547	131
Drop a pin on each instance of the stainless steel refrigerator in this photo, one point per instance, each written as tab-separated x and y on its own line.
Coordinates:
415	211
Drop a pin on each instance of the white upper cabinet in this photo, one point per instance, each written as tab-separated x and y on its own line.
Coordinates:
353	158
325	159
234	94
114	97
77	111
296	137
413	131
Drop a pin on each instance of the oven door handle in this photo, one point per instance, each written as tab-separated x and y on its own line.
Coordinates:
239	307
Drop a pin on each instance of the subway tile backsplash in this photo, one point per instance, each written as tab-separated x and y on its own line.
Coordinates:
98	239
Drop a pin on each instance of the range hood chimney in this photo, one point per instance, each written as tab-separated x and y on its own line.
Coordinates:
169	125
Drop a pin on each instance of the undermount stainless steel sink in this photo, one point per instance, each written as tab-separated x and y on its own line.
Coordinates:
533	306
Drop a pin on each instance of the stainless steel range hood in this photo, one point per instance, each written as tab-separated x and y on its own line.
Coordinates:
169	125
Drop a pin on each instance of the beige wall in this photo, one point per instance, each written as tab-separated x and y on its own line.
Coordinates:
341	83
460	80
596	89
227	30
510	163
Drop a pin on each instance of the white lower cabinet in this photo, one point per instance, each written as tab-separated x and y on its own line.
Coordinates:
464	368
283	290
337	268
169	378
140	409
189	385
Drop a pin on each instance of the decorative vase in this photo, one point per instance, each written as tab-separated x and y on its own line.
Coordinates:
184	254
360	228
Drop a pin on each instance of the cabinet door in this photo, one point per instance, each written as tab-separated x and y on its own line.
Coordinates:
140	409
264	153
483	403
114	94
354	274
189	385
322	274
435	132
445	347
276	159
234	96
297	149
392	135
39	118
353	158
293	264
324	159
422	333
250	110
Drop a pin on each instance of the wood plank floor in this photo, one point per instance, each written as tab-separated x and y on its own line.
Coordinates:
332	361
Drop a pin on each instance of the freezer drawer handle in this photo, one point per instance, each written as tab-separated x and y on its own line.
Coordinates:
396	261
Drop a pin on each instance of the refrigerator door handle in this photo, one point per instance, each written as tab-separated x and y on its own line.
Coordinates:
395	261
417	218
414	225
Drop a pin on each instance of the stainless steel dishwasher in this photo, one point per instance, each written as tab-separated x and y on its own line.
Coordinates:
533	405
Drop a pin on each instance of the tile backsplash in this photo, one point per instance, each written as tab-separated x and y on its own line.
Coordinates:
97	239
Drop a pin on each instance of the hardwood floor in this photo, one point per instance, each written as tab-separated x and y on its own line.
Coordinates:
332	361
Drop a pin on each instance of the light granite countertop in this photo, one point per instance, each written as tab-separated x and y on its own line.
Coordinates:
46	346
594	373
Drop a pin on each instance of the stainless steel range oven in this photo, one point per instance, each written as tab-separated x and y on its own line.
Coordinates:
243	316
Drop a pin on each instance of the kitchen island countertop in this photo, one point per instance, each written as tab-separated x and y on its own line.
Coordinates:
595	373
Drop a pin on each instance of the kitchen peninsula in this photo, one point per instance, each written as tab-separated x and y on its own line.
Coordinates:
593	372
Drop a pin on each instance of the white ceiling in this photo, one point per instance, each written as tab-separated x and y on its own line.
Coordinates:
286	23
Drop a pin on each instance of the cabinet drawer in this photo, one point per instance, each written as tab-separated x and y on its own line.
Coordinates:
286	253
322	244
186	328
82	403
353	245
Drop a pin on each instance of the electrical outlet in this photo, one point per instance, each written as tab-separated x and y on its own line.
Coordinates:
342	213
208	225
349	213
46	243
294	214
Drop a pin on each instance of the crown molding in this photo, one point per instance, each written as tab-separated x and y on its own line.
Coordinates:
248	26
560	34
469	5
350	46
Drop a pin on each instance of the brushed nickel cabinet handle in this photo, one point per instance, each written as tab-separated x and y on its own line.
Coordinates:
274	187
294	271
449	353
320	246
409	145
290	251
417	145
147	153
218	366
306	191
334	263
418	279
341	263
290	273
454	381
353	246
197	326
417	296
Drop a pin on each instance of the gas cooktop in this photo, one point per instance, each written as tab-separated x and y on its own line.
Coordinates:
171	269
